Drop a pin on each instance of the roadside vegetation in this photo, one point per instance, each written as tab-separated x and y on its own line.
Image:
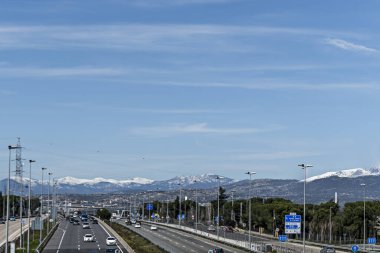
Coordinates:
138	243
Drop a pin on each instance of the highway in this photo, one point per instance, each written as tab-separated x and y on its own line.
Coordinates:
69	238
14	230
176	241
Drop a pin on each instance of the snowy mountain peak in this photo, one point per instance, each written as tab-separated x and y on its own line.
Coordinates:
78	181
350	173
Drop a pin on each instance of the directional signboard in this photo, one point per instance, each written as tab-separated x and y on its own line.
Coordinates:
293	224
282	238
371	240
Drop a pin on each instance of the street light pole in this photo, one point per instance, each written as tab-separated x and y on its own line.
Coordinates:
250	173
8	193
180	209
304	167
42	191
232	206
29	207
48	221
218	220
330	226
196	207
364	234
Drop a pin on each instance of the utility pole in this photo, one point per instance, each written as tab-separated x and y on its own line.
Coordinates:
19	171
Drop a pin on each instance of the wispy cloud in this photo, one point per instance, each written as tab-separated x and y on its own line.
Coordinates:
276	85
56	72
275	155
137	37
86	106
161	3
346	45
199	128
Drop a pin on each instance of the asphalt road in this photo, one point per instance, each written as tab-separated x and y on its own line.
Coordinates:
14	230
176	241
69	238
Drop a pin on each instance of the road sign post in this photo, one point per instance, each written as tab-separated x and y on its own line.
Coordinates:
355	248
293	224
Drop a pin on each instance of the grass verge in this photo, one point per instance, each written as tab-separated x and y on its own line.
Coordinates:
138	243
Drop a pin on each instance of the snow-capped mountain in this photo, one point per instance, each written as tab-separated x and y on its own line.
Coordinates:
350	173
78	181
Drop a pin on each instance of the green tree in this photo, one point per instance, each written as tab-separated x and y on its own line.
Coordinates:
103	214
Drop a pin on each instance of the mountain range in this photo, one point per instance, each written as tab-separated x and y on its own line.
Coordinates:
321	188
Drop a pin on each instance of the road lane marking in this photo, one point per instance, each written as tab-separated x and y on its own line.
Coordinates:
110	236
59	246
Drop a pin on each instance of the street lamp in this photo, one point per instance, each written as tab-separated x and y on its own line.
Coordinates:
330	225
180	209
48	204
8	192
196	207
217	222
250	173
42	191
29	207
304	167
364	235
232	206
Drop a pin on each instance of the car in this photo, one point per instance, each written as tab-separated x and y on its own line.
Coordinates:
12	218
112	250
133	221
153	227
216	250
211	228
137	225
327	249
88	238
71	220
95	221
111	241
86	225
76	222
228	229
2	221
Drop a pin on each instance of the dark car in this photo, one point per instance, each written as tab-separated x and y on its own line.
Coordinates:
95	221
76	222
218	251
327	249
2	221
112	250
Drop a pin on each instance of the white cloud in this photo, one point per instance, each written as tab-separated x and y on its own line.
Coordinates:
57	72
346	45
137	37
199	128
275	85
160	3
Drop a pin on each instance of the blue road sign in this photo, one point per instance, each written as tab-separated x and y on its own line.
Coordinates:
371	240
292	218
149	207
355	248
282	238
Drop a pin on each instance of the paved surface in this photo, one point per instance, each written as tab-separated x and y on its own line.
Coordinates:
69	238
14	230
176	241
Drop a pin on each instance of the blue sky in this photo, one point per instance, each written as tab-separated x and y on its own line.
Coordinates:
159	88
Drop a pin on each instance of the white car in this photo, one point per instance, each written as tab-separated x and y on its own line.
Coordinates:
137	225
111	241
88	238
86	225
153	227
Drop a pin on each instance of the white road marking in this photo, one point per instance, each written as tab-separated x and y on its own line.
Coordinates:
59	246
109	236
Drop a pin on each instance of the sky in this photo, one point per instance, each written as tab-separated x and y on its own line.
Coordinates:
163	88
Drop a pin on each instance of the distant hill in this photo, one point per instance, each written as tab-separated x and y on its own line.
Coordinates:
319	188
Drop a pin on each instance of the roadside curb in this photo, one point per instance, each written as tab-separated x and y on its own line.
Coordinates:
118	237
